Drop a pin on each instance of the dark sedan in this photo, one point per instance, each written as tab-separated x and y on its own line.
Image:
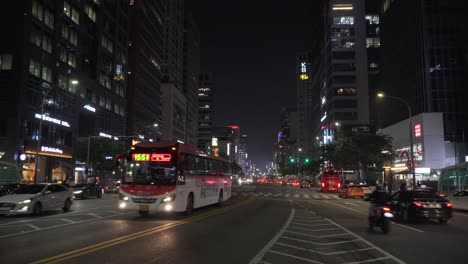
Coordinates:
420	204
8	188
86	190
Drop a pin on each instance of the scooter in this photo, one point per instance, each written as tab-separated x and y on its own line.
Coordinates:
381	220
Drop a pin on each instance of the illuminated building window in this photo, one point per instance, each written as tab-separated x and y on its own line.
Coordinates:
34	68
342	7
345	91
6	61
372	19
343	20
373	42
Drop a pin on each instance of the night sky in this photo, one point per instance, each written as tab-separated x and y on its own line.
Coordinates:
250	46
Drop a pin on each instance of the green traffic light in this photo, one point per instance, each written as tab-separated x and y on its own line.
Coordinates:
291	160
307	160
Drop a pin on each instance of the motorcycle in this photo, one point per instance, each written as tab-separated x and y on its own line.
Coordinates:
381	220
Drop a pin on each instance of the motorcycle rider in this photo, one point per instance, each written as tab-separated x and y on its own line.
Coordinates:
377	198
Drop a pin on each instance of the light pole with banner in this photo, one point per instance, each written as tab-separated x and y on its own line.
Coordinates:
410	130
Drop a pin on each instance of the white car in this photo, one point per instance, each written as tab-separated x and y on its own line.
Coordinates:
459	200
36	198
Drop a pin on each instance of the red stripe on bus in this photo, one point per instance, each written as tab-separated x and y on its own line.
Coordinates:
146	190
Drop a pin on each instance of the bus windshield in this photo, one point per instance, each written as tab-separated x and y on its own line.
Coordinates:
149	173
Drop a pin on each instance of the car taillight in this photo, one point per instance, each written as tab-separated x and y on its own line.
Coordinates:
449	205
386	209
418	204
339	185
323	184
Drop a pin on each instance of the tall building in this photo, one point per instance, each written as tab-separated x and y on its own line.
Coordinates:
145	60
427	69
63	66
243	155
191	73
205	111
286	143
304	101
351	40
173	56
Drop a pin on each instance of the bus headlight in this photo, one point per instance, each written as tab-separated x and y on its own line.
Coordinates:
169	199
168	207
122	205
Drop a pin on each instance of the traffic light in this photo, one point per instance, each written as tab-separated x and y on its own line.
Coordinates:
291	160
307	160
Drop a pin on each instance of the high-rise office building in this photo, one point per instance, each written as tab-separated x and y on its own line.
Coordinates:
205	111
145	60
191	73
62	66
426	63
349	64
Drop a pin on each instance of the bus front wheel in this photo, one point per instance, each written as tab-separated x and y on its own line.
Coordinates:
220	199
189	206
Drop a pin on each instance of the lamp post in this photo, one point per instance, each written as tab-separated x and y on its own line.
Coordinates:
410	112
154	127
39	134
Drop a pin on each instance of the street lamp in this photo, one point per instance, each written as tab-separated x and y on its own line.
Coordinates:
410	112
39	135
154	126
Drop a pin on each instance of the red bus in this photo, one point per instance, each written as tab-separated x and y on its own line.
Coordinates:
330	180
171	177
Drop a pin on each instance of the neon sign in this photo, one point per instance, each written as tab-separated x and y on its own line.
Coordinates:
303	67
417	130
52	120
304	76
52	150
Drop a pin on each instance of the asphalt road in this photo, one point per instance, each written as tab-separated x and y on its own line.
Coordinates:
259	224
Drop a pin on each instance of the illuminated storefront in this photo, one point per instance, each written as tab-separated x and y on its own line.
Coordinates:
429	148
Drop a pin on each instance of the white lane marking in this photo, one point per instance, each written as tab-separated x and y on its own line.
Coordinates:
321	244
296	257
314	230
57	226
308	221
67	220
267	247
33	227
95	215
308	217
405	226
368	243
352	204
302	234
296	223
43	218
325	253
367	261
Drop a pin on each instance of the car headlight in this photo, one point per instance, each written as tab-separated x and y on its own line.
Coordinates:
25	201
123	197
169	198
77	192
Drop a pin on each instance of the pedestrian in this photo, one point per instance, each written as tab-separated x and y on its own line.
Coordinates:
402	185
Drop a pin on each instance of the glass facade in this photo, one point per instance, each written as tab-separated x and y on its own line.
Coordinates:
454	178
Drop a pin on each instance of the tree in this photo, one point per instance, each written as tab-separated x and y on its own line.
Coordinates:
99	149
364	151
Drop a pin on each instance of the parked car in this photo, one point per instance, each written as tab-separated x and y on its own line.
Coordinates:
86	190
36	198
8	188
413	204
459	200
306	184
351	191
